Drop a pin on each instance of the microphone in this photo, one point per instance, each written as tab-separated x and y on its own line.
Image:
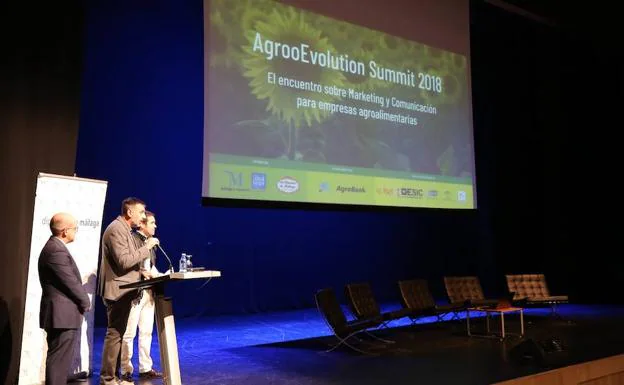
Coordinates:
171	270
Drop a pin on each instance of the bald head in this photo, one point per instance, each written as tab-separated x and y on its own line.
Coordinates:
61	224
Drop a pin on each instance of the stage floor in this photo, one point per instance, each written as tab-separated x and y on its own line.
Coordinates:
289	348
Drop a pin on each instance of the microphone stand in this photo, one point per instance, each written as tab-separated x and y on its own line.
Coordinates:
171	270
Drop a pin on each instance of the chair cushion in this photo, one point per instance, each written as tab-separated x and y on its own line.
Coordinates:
362	300
416	295
528	286
460	289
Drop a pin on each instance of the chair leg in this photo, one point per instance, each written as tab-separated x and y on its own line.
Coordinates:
343	341
379	338
455	316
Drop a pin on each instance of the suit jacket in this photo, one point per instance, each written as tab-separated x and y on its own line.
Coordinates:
63	298
121	258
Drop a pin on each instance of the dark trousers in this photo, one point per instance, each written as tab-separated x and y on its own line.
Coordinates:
61	343
117	313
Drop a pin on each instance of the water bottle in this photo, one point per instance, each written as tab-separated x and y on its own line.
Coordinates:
189	263
183	263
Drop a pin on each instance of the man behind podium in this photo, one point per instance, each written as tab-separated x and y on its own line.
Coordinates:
63	298
120	265
142	312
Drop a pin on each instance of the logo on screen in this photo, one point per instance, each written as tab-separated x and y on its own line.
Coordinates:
385	191
235	179
258	181
323	187
235	182
461	196
414	193
350	189
288	185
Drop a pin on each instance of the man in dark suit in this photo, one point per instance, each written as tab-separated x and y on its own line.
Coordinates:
63	299
120	265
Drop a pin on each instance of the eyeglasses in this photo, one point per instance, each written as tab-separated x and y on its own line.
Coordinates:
75	228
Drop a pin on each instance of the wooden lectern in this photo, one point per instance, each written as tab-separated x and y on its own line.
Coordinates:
165	324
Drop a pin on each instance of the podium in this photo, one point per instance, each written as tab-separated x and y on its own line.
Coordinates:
165	324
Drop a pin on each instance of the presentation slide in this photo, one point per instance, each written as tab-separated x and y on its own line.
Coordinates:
303	107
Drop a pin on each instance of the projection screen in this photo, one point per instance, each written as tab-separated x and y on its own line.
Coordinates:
322	102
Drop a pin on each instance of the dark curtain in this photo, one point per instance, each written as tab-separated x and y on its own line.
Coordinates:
40	62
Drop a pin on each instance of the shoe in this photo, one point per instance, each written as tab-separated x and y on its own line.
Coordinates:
151	374
78	377
126	377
